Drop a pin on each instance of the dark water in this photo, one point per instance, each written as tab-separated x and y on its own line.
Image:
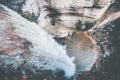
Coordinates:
25	74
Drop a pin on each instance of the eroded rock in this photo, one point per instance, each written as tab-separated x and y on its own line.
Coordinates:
67	13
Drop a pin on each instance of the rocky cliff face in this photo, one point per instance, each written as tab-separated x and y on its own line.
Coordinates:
78	20
67	13
51	14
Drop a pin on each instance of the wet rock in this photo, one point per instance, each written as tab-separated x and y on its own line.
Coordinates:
13	4
16	37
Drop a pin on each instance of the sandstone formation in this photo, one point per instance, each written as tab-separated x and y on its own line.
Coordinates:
49	14
67	13
85	28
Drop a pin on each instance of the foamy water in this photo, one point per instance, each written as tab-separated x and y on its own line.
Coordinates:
45	53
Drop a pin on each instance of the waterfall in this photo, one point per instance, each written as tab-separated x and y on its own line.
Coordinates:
46	53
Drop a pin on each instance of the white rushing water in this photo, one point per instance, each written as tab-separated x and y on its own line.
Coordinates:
45	53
